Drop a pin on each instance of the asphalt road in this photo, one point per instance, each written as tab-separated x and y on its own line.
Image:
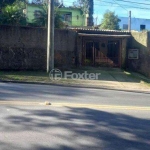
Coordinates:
42	93
123	125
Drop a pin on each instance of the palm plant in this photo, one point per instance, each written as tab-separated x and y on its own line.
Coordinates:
40	16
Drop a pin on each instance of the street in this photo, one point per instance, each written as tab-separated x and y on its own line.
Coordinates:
78	118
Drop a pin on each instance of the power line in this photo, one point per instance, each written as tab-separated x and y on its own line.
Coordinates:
121	5
133	2
124	6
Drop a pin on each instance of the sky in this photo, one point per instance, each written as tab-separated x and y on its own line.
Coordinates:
120	7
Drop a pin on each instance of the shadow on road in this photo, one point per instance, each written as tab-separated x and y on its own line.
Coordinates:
20	91
75	128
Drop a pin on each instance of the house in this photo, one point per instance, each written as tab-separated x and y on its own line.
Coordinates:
70	16
101	47
74	47
137	24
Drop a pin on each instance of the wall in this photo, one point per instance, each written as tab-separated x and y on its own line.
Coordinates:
135	23
24	48
123	52
65	47
141	41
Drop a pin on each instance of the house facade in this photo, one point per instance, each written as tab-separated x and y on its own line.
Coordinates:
137	24
73	17
104	48
74	47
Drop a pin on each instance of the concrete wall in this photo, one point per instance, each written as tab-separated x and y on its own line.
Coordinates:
65	47
124	52
24	48
141	41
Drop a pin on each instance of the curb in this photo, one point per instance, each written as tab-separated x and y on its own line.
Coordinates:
77	86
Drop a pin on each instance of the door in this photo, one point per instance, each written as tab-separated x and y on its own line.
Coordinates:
89	53
101	53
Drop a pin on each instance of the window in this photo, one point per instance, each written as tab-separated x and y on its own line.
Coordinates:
142	27
67	17
125	26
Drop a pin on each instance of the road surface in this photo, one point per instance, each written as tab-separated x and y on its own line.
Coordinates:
78	118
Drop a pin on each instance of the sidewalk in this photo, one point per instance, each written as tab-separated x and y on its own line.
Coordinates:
110	78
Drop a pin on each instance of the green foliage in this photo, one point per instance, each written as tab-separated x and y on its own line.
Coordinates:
6	2
56	2
41	18
110	21
58	22
83	4
13	14
87	7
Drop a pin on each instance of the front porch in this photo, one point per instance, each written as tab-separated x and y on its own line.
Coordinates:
101	49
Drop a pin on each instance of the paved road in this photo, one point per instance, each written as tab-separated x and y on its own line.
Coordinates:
42	93
41	127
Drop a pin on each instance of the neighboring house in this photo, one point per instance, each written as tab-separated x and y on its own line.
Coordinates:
70	16
137	24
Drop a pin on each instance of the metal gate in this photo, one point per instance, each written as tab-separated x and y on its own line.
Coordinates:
101	53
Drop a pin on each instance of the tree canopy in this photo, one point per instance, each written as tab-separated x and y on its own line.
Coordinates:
12	14
56	2
110	21
9	2
87	7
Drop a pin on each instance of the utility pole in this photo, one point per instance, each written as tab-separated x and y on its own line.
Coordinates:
50	36
129	24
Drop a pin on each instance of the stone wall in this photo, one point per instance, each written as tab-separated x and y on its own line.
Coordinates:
141	41
24	48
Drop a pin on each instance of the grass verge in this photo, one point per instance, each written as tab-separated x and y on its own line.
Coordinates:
107	76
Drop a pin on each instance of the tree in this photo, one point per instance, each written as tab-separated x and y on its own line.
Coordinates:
83	4
56	2
4	3
40	18
110	21
58	22
87	7
13	14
